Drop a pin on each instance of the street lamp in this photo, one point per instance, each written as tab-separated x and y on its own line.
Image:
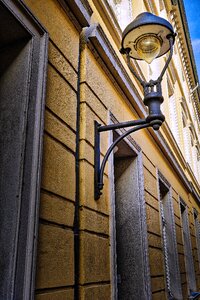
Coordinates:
147	37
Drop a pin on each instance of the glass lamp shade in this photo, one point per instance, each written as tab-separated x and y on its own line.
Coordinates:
148	47
147	37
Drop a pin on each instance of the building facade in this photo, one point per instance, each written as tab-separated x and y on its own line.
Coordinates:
61	70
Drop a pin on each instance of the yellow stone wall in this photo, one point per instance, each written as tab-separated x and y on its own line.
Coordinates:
55	263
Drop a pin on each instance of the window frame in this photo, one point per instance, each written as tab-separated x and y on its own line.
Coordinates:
189	262
172	267
27	213
143	225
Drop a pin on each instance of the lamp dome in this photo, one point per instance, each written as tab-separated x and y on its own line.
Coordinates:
150	30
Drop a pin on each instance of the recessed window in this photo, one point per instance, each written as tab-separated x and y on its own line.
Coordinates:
130	265
197	232
172	275
123	11
189	263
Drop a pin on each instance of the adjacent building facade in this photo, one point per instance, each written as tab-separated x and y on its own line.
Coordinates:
61	70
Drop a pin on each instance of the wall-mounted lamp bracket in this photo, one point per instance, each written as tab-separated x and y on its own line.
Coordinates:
99	167
152	97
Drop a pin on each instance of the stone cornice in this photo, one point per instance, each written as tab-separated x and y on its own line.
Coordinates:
79	11
184	42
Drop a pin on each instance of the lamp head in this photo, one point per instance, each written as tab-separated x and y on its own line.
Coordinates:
147	37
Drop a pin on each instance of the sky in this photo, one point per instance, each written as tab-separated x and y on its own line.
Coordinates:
192	8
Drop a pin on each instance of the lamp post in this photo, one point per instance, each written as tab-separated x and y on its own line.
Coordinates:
147	37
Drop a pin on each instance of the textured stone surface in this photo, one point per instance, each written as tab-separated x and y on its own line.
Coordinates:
56	209
87	189
58	60
153	220
151	200
159	296
175	195
183	278
180	248
56	295
185	290
181	262
96	78
157	283
60	29
176	207
87	127
86	151
150	183
58	169
154	240
149	165
177	221
97	292
156	259
55	264
95	258
60	131
61	98
179	237
94	221
87	95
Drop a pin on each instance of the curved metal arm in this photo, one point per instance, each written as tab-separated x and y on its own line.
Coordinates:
142	82
99	177
171	42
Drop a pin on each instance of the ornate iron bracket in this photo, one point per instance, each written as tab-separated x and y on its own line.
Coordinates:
99	170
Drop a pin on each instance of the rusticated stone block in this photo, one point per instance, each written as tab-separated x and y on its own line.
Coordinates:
87	127
59	131
61	98
157	283
96	105
150	183
153	220
97	292
149	165
175	195
56	295
55	265
154	240
56	209
176	207
179	237
185	291
87	189
61	30
156	262
159	296
93	221
58	60
58	169
151	200
181	263
95	258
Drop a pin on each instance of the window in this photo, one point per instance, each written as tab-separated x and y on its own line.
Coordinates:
186	136
131	279
172	274
123	11
197	233
187	248
173	112
22	83
161	4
